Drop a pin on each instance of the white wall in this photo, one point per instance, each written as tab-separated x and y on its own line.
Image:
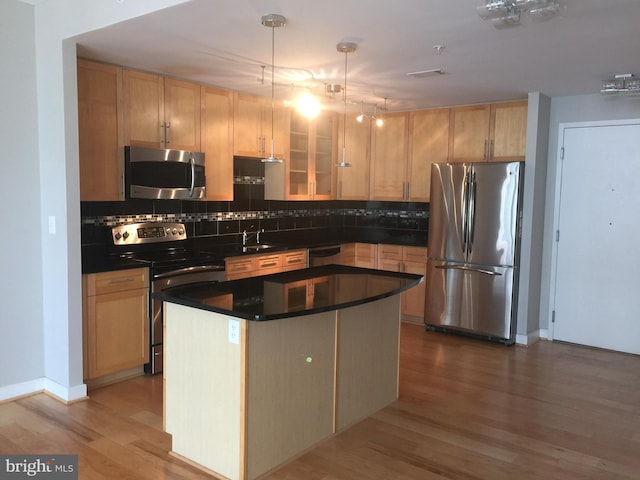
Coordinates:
583	108
21	326
42	327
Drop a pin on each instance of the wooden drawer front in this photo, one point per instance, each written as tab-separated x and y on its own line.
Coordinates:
294	260
390	252
117	281
366	250
267	262
239	267
415	254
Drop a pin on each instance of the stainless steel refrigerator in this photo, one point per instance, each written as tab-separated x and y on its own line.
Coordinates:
473	248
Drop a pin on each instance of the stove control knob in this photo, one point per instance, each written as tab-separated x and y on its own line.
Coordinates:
181	231
125	235
174	231
118	236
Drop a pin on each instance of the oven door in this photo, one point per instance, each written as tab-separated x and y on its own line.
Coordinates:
162	281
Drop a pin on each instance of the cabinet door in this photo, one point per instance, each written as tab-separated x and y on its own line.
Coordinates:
247	125
299	181
217	142
414	298
428	144
390	257
508	131
100	135
469	140
353	181
389	158
182	115
144	109
117	331
324	154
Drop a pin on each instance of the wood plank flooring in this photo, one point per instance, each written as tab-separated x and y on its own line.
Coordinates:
467	410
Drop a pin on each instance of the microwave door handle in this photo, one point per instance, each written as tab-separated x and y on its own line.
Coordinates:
193	175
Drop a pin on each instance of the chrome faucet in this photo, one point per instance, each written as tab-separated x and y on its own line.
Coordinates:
246	235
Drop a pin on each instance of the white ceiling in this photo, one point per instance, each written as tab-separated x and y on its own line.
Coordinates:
223	43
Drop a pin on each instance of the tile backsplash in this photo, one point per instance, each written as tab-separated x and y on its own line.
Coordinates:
397	222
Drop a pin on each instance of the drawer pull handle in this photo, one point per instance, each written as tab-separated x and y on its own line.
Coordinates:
121	280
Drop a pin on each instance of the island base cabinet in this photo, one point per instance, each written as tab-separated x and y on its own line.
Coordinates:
240	410
367	355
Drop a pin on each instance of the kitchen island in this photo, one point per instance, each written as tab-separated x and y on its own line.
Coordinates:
258	370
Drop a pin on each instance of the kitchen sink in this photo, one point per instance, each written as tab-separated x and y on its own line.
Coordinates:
258	247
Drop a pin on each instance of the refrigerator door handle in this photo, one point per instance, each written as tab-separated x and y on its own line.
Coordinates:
468	269
464	212
471	223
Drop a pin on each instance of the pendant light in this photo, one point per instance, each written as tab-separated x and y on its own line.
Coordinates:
273	21
346	48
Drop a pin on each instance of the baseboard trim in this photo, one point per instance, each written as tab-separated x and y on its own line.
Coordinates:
9	393
532	337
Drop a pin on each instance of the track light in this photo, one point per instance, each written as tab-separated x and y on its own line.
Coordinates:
273	21
346	48
509	13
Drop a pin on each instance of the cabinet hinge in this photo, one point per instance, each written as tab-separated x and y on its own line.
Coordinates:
553	316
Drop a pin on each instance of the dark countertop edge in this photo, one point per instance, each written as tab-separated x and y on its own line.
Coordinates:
279	316
108	265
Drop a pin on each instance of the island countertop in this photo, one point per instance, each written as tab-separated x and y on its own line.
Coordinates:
292	294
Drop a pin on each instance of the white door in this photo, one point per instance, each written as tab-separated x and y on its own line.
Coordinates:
597	285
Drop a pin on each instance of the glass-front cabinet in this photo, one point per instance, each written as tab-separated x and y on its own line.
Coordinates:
309	172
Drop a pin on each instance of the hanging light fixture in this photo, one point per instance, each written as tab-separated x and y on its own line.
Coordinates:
379	119
508	13
360	118
622	84
346	48
273	21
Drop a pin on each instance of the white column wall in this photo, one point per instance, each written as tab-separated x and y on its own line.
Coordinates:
50	147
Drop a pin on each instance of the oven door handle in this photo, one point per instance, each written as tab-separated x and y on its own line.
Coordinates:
186	270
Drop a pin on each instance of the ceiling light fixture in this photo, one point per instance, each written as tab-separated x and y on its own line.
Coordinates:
346	48
622	84
380	120
508	13
426	73
273	21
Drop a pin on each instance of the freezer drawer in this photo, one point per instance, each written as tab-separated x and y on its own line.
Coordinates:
471	298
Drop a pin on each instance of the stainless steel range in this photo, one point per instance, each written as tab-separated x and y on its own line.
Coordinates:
163	247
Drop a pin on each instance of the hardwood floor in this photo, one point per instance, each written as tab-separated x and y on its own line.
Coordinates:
467	410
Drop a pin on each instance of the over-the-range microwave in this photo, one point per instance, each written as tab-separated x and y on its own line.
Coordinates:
163	174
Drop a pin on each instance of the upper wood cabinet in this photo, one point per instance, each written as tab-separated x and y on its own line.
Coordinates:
252	127
491	132
161	112
217	142
353	181
308	173
100	133
428	144
389	180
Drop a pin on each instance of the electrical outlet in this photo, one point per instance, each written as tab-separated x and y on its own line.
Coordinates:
234	331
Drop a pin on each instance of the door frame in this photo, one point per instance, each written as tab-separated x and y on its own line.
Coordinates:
557	203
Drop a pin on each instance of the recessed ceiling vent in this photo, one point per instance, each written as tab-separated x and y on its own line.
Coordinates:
426	73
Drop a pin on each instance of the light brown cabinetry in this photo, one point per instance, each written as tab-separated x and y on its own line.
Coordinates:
100	132
353	181
308	173
428	144
217	142
161	112
490	132
116	321
362	255
253	265
252	127
397	258
389	173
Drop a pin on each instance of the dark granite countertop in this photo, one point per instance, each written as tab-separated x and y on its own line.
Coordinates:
292	294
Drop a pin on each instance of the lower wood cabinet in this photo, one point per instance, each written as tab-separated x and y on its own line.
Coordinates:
398	258
253	265
362	255
115	321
